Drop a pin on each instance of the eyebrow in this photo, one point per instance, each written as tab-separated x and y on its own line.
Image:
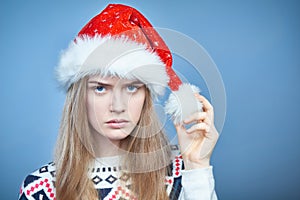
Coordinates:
107	84
134	82
99	83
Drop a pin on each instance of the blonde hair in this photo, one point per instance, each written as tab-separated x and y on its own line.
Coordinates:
74	151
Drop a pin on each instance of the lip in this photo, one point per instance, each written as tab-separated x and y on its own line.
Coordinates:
117	123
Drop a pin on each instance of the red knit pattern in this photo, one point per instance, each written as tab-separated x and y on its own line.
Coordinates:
177	165
42	184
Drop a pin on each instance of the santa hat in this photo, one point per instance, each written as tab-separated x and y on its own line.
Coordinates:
121	42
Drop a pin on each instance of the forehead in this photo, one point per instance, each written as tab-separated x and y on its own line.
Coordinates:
111	80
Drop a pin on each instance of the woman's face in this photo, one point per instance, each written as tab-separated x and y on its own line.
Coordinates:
114	106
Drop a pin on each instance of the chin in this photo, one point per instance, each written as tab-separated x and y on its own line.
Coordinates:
117	134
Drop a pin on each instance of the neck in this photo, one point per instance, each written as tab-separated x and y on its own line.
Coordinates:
104	147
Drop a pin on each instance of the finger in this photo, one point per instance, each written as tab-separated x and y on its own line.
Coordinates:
179	128
196	117
198	127
206	104
207	120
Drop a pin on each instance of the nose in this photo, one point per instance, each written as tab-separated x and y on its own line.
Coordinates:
117	104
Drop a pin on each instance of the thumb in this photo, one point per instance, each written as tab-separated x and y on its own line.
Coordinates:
178	127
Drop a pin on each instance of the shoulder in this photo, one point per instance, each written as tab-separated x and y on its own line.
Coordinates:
39	183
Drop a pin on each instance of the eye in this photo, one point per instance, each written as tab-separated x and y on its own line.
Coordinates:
132	88
100	89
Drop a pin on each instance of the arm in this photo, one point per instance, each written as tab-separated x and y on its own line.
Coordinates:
198	184
196	146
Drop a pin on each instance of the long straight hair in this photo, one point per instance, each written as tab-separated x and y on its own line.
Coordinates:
74	151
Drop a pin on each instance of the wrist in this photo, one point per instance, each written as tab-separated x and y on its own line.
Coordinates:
195	164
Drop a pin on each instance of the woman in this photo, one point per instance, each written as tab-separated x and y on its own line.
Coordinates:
111	144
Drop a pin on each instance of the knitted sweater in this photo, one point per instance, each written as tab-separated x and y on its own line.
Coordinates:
106	175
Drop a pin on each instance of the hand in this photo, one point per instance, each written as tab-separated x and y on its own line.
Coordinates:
198	142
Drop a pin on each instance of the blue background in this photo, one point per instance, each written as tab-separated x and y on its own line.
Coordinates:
255	45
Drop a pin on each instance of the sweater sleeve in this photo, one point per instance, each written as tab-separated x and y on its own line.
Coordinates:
198	184
39	184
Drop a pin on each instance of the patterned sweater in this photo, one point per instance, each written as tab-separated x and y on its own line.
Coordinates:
107	177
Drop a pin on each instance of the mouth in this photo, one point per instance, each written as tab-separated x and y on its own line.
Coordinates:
117	123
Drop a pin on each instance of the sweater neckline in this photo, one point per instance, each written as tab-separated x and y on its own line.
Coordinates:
110	161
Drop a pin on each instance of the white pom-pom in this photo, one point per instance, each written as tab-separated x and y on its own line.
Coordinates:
182	103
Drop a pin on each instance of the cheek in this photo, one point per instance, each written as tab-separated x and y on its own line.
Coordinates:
95	110
91	111
135	107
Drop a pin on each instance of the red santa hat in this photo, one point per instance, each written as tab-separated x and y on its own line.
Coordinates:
121	42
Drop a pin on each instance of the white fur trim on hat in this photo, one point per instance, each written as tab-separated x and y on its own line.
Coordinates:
111	56
182	103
